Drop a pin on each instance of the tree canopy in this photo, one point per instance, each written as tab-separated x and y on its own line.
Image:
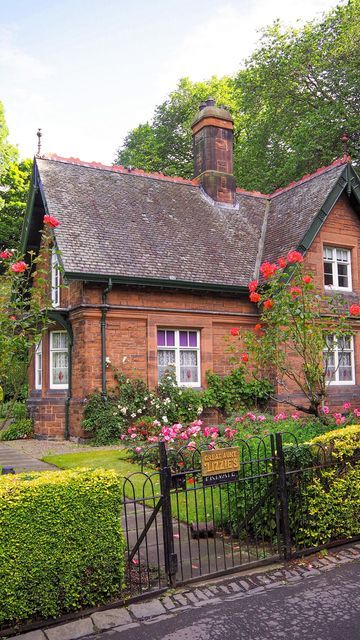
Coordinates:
291	101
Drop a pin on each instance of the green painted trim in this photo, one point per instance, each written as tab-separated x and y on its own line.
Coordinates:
156	282
347	180
29	210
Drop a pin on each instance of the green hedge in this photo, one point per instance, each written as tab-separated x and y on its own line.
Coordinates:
61	542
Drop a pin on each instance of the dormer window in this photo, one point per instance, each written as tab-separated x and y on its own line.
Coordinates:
55	279
337	268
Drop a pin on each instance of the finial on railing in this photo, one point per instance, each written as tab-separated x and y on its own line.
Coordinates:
39	135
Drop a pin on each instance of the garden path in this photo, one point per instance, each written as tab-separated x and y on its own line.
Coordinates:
20	461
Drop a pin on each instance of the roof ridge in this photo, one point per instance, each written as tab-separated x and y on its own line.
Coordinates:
345	159
119	169
255	194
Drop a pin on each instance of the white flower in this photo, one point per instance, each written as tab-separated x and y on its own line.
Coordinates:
107	360
124	359
164	419
139	410
146	398
115	413
123	410
133	415
127	380
199	410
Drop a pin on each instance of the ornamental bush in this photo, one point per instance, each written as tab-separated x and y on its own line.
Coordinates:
61	542
234	392
23	428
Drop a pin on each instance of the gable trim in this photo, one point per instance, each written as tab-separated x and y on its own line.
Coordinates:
348	180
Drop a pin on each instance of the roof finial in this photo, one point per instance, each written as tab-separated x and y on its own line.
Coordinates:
39	134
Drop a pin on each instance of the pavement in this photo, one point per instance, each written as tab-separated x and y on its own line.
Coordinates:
20	461
317	598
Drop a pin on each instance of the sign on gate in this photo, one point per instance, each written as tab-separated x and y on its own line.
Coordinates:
220	465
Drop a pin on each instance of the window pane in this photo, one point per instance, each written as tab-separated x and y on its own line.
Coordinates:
60	368
343	275
342	255
345	374
161	338
170	338
183	338
59	340
166	357
188	366
328	273
192	339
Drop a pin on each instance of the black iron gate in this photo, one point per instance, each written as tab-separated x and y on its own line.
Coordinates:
178	529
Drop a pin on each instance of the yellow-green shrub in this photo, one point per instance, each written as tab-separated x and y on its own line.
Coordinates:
341	443
61	542
327	507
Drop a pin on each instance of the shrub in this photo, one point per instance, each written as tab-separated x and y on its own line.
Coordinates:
341	443
178	404
233	392
61	543
23	428
102	419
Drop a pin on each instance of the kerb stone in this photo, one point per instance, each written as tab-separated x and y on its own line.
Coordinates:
112	618
71	630
147	609
32	635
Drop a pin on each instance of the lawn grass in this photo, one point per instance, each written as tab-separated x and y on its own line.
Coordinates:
189	506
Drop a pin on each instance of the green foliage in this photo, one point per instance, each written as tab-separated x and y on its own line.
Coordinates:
16	410
21	428
340	443
50	565
291	102
178	404
8	153
15	184
235	392
102	419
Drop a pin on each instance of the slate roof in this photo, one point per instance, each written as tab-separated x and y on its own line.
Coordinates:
133	225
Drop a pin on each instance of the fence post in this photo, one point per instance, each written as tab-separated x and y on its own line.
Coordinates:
276	494
283	495
168	535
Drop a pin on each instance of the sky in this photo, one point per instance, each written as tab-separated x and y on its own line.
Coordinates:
88	71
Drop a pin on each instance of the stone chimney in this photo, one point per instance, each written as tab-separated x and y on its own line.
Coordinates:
213	134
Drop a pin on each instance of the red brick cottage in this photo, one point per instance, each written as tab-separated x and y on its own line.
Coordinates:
157	267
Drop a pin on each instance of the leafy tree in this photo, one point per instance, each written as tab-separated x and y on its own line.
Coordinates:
166	144
15	187
296	327
292	101
8	153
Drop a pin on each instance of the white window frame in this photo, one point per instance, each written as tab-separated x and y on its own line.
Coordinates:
38	365
52	384
336	352
335	274
177	348
55	279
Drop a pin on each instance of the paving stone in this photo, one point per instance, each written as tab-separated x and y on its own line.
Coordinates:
165	616
203	603
207	593
111	618
32	635
244	585
214	589
235	587
200	595
147	609
168	603
125	627
263	579
191	596
180	599
224	588
71	630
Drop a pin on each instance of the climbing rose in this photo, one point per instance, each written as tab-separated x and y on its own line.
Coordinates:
5	255
268	304
51	221
355	310
295	292
257	327
19	267
234	331
282	263
268	269
254	297
346	405
244	357
325	409
253	285
294	256
307	279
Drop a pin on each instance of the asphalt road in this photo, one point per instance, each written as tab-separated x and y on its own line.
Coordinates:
325	607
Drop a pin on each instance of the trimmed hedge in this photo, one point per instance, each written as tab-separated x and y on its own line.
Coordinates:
61	542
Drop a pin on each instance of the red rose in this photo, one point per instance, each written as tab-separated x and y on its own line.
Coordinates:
268	269
5	255
234	331
51	221
19	267
355	310
295	292
257	327
294	256
282	263
254	297
307	279
244	357
253	285
268	304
